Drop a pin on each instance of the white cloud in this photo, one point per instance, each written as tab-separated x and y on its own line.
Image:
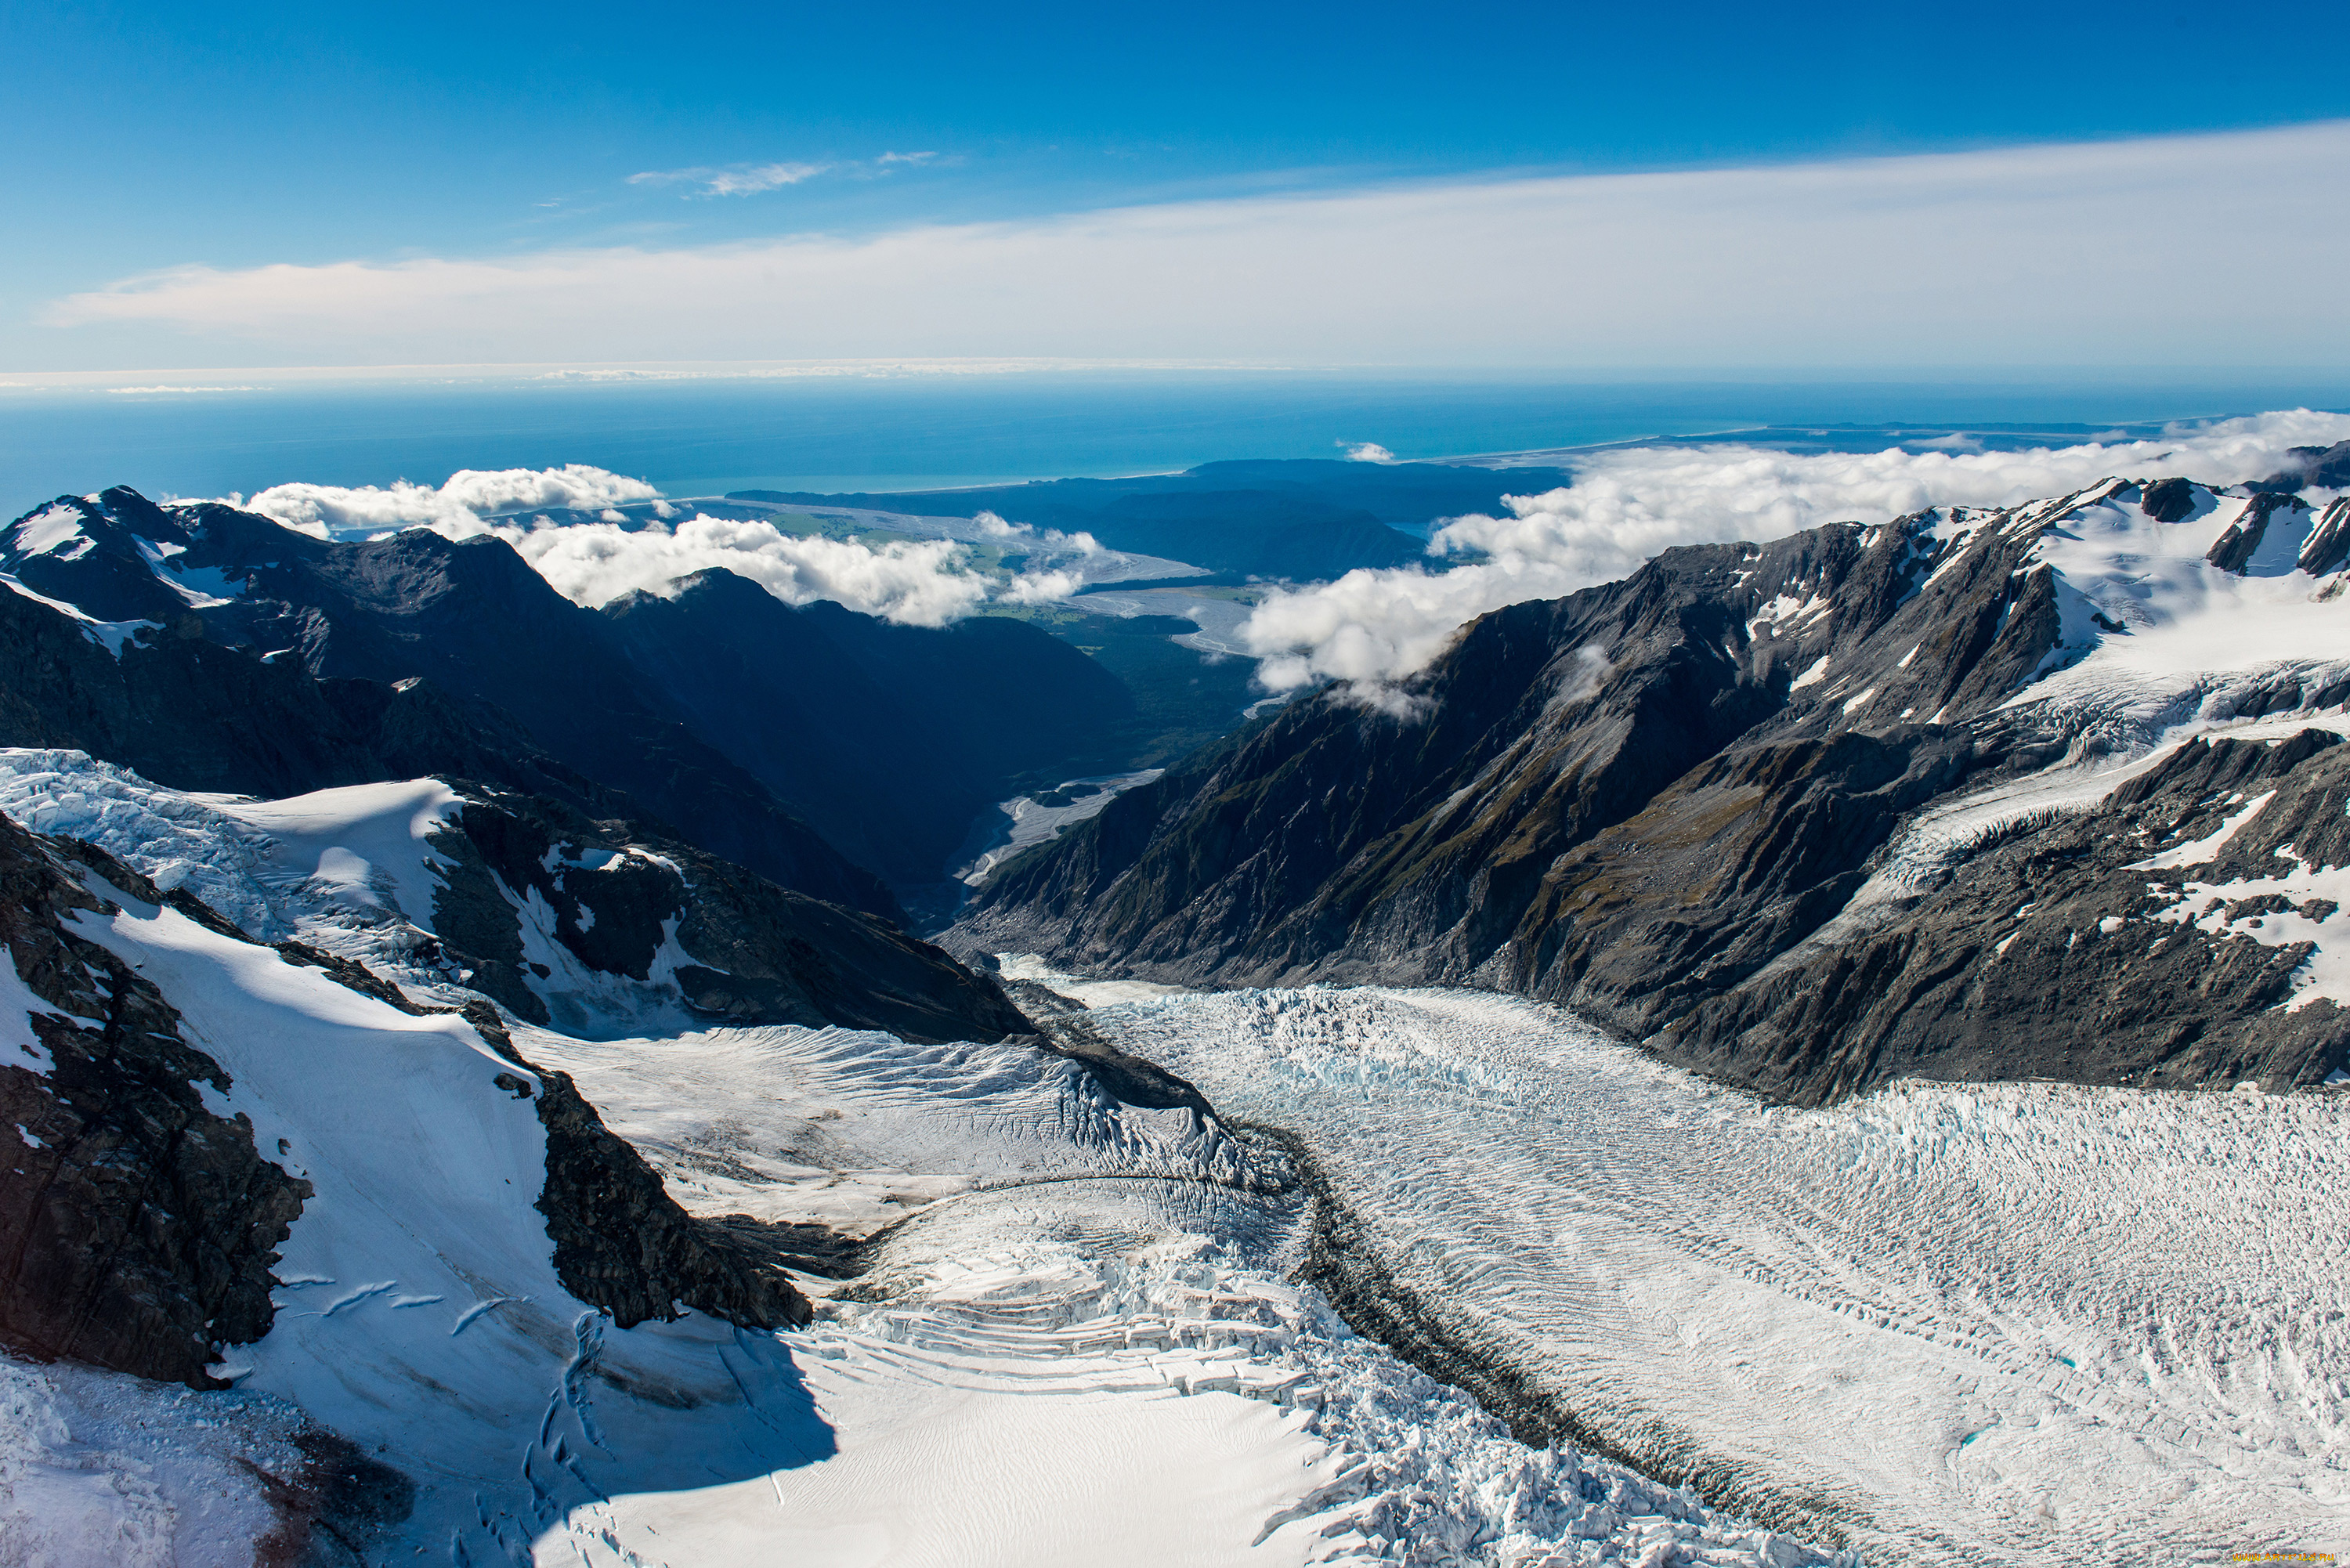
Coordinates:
2203	250
462	503
919	582
1627	504
888	158
925	582
1368	451
1021	535
735	180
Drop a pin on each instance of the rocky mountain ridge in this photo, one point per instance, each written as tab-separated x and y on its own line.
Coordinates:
1674	803
813	745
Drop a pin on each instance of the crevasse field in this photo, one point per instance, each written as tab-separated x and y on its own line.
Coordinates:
2014	1324
2026	1325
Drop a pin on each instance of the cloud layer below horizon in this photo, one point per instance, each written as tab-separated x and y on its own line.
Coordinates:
923	582
2205	250
1372	628
1369	629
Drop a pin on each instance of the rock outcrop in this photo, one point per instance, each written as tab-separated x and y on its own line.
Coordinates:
621	902
136	1227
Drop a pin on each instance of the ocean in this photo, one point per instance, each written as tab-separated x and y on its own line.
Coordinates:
935	431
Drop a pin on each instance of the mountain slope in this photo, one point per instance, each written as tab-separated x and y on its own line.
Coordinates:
717	708
889	739
471	619
599	928
142	1219
1639	799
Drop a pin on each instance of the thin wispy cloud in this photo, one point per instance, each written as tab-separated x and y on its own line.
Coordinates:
2201	250
740	180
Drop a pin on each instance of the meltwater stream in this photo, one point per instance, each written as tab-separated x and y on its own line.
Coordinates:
2013	1324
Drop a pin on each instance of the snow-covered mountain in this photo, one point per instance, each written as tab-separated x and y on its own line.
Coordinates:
2050	790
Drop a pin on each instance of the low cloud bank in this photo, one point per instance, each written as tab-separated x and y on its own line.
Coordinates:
469	495
1626	506
924	582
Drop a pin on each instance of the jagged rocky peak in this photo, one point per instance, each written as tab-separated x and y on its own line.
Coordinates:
1649	799
117	556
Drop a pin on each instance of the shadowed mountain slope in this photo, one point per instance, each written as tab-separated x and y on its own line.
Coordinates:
889	739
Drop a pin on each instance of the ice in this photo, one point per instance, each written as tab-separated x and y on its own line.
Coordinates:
102	1471
1077	1342
352	871
2010	1324
110	635
2188	625
852	1127
1989	1324
175	840
343	838
19	1046
54	531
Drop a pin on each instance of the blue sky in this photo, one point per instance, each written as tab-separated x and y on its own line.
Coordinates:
375	153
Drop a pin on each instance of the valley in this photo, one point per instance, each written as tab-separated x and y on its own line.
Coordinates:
1818	1051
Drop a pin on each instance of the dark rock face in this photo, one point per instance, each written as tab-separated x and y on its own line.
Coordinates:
190	713
889	738
473	618
2327	548
2234	550
2168	500
761	954
1337	843
137	1229
1656	801
2060	956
